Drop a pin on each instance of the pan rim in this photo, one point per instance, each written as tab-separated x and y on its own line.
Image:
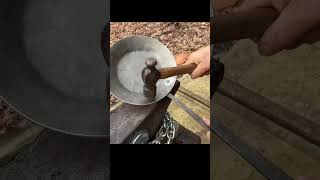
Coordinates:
50	127
173	77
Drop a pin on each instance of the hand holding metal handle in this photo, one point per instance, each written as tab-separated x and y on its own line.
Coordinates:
249	24
179	70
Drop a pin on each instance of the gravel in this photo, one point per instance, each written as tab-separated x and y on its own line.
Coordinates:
179	37
8	117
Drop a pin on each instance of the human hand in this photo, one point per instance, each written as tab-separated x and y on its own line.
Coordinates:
200	57
304	178
207	122
297	17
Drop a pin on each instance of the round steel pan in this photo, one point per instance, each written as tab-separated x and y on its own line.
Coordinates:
52	68
127	60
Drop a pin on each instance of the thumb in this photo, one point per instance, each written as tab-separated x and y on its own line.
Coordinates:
201	70
304	178
292	24
249	4
181	58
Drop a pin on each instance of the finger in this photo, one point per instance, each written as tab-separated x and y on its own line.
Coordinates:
181	58
251	4
191	59
308	38
292	23
304	178
200	70
198	55
206	121
220	5
207	72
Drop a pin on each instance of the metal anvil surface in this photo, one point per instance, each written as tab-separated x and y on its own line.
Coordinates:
128	119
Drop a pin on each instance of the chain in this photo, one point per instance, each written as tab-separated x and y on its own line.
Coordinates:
167	131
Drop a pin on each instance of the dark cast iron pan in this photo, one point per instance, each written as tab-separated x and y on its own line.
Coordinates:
52	68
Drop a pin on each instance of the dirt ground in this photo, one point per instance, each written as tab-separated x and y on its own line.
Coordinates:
179	37
8	118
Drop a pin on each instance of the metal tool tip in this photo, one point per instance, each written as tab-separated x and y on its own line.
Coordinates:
151	62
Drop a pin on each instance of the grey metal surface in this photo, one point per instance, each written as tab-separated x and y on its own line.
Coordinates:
127	60
52	68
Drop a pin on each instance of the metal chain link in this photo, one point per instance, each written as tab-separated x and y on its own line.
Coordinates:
167	131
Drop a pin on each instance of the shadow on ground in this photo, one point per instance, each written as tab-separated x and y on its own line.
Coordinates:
55	155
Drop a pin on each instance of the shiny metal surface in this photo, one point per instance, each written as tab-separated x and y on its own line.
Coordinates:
127	60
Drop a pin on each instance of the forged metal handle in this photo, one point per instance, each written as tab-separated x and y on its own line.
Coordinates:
249	24
174	71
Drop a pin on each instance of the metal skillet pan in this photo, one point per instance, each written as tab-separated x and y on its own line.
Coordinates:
52	68
127	60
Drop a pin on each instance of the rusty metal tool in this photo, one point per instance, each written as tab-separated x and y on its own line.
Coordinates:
151	75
